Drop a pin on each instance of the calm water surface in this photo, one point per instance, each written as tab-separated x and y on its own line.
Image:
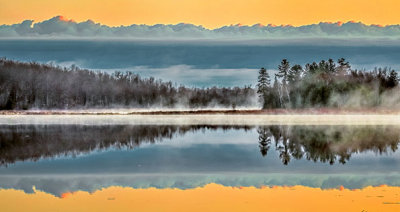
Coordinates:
60	158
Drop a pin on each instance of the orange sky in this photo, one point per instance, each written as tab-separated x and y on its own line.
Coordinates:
209	13
212	197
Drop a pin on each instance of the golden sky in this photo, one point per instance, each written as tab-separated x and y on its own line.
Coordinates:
209	13
212	197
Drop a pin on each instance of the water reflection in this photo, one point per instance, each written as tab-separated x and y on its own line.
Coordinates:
34	142
62	158
326	144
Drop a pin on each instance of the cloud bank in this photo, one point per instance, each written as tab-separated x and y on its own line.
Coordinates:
60	27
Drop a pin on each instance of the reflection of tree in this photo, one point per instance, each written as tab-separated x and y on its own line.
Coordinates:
284	154
328	144
264	140
19	143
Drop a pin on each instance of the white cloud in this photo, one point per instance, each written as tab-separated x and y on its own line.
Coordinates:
60	27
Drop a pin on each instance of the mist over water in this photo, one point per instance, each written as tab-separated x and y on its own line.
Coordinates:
198	63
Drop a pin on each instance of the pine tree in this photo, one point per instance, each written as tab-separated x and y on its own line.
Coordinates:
263	85
276	94
331	66
283	72
264	81
294	74
343	67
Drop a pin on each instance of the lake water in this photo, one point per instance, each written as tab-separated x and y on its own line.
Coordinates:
71	157
200	63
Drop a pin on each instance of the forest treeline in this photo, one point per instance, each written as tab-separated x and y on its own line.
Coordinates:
328	84
42	86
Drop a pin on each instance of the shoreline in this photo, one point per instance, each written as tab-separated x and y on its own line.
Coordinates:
201	119
210	111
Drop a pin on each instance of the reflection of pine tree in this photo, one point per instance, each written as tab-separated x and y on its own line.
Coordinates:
284	155
344	157
296	150
325	144
264	140
283	150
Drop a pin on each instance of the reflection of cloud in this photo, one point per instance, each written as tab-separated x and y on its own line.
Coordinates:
65	195
61	26
63	185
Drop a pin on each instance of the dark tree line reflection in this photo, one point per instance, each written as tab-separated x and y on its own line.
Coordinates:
327	144
33	142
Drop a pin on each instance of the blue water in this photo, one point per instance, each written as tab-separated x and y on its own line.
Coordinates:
204	63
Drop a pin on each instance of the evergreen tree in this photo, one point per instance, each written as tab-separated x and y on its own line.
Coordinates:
311	68
343	67
294	74
331	66
283	70
263	86
294	79
264	81
277	98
